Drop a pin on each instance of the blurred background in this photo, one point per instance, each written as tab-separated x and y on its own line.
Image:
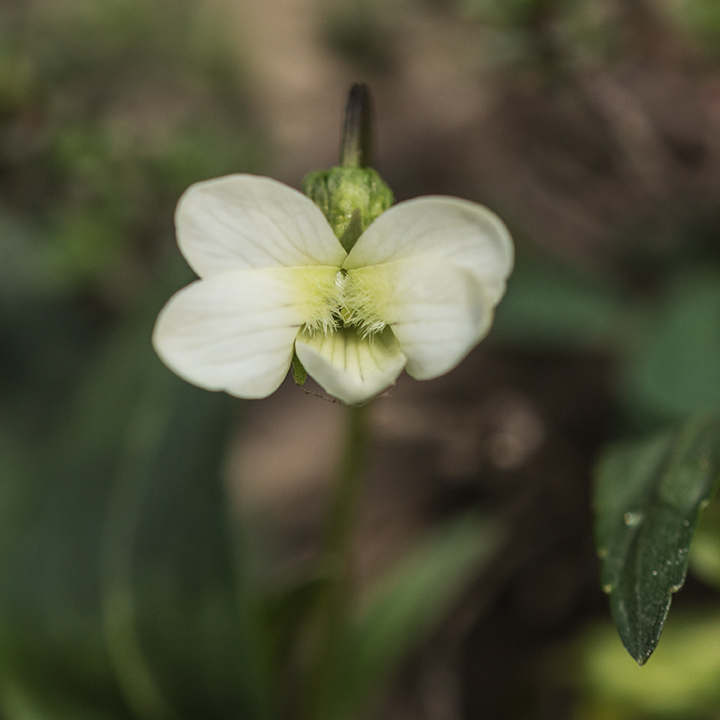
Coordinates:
143	521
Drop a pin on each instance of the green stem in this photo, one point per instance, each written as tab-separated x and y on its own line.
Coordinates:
355	149
335	604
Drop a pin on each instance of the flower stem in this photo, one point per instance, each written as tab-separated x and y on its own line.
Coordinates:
335	603
355	150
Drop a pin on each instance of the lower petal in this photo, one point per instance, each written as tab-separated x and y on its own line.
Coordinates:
349	367
235	331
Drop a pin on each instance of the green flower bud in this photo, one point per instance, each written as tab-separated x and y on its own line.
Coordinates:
350	198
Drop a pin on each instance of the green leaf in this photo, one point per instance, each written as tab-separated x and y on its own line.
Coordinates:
407	605
648	497
287	613
548	306
119	591
674	369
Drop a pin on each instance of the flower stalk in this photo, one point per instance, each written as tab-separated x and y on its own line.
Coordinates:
335	603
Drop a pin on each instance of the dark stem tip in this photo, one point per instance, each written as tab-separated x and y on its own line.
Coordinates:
355	149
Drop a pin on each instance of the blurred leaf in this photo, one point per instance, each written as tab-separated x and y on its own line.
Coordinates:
407	605
118	586
287	613
549	306
87	244
676	369
647	501
359	30
512	13
21	275
108	112
501	12
699	18
705	553
680	682
201	151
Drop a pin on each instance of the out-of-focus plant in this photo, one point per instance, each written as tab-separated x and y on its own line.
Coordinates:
124	588
108	111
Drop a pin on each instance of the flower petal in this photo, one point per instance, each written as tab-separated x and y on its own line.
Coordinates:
235	331
349	367
437	311
244	221
464	233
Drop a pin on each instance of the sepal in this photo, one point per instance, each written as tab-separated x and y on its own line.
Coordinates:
341	191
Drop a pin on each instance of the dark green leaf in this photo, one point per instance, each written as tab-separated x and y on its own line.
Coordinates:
118	586
287	614
647	501
549	306
674	370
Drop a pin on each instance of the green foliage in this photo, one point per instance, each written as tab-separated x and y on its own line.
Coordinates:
549	306
404	608
510	13
109	111
118	583
648	498
700	19
673	368
121	593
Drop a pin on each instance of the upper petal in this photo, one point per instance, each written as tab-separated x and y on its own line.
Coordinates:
244	221
462	232
235	331
351	368
437	311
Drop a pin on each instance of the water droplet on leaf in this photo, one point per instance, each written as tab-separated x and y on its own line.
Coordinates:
633	519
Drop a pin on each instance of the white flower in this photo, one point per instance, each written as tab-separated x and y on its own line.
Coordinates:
417	291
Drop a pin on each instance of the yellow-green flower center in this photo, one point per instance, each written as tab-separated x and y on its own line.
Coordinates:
332	298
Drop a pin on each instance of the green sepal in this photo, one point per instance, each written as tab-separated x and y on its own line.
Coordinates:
343	193
353	230
298	370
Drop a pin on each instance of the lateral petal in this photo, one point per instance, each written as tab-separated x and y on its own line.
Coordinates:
245	221
464	233
349	367
437	311
235	331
